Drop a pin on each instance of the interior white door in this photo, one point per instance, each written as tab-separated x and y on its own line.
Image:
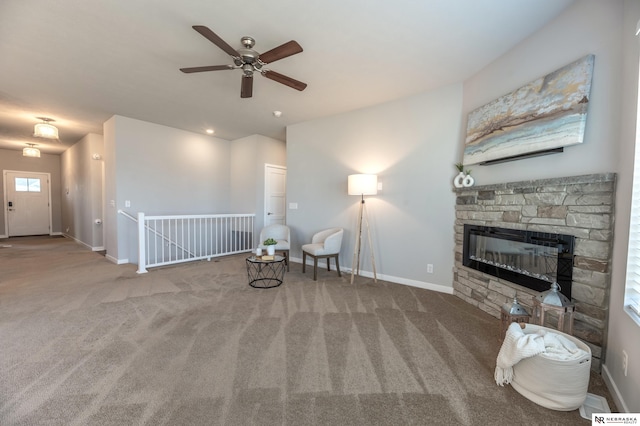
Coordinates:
275	195
27	203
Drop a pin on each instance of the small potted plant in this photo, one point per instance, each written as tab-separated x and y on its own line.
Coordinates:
271	246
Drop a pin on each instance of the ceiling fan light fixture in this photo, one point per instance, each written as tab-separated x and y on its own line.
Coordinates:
30	151
45	129
248	42
247	69
250	61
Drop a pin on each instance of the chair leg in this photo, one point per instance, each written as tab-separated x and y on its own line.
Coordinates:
286	258
315	268
338	265
328	263
304	260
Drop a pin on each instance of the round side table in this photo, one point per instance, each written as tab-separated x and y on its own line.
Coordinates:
265	273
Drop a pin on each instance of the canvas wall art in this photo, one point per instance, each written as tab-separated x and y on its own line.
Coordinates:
548	113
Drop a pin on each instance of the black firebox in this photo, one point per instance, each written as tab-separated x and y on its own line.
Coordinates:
531	259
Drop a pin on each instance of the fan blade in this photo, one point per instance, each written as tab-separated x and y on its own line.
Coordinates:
213	38
246	91
287	81
207	68
289	48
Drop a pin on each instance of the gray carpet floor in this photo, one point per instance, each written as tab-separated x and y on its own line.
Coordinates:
87	342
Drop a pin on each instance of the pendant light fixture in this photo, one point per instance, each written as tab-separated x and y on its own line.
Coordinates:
45	129
30	151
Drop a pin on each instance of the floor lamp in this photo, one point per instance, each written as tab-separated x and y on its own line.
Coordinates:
362	184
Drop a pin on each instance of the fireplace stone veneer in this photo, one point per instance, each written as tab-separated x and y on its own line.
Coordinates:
581	206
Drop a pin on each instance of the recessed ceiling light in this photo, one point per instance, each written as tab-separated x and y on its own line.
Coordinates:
210	131
277	114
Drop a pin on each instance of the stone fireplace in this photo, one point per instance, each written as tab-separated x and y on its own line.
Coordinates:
566	220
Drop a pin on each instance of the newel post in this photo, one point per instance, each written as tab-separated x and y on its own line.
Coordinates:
142	255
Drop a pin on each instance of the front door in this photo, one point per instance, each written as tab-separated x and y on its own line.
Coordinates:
275	195
27	203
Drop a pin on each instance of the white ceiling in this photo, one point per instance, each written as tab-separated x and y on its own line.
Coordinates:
80	62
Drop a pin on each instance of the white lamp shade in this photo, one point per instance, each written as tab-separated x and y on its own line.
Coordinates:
363	184
45	130
31	152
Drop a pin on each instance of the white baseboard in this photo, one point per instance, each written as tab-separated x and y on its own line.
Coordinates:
397	280
51	235
82	243
116	261
615	392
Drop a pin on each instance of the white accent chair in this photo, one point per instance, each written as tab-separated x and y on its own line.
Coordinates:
281	234
324	245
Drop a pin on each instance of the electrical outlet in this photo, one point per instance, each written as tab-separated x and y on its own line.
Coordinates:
430	268
625	362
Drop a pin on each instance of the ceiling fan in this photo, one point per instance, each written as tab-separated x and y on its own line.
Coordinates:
250	61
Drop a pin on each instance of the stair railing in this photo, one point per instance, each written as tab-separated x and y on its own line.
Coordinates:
166	240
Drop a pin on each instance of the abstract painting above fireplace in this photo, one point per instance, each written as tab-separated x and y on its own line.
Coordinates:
544	115
531	259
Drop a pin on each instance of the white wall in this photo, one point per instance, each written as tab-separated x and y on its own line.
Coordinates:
598	27
624	333
587	26
110	222
412	145
248	158
160	170
244	192
82	191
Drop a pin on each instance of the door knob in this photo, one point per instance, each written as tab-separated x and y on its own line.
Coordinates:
269	214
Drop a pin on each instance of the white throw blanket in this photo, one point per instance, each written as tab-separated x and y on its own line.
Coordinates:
518	345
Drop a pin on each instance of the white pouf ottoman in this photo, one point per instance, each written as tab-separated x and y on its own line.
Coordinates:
553	383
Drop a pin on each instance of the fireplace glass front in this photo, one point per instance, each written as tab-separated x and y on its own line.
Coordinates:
531	259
